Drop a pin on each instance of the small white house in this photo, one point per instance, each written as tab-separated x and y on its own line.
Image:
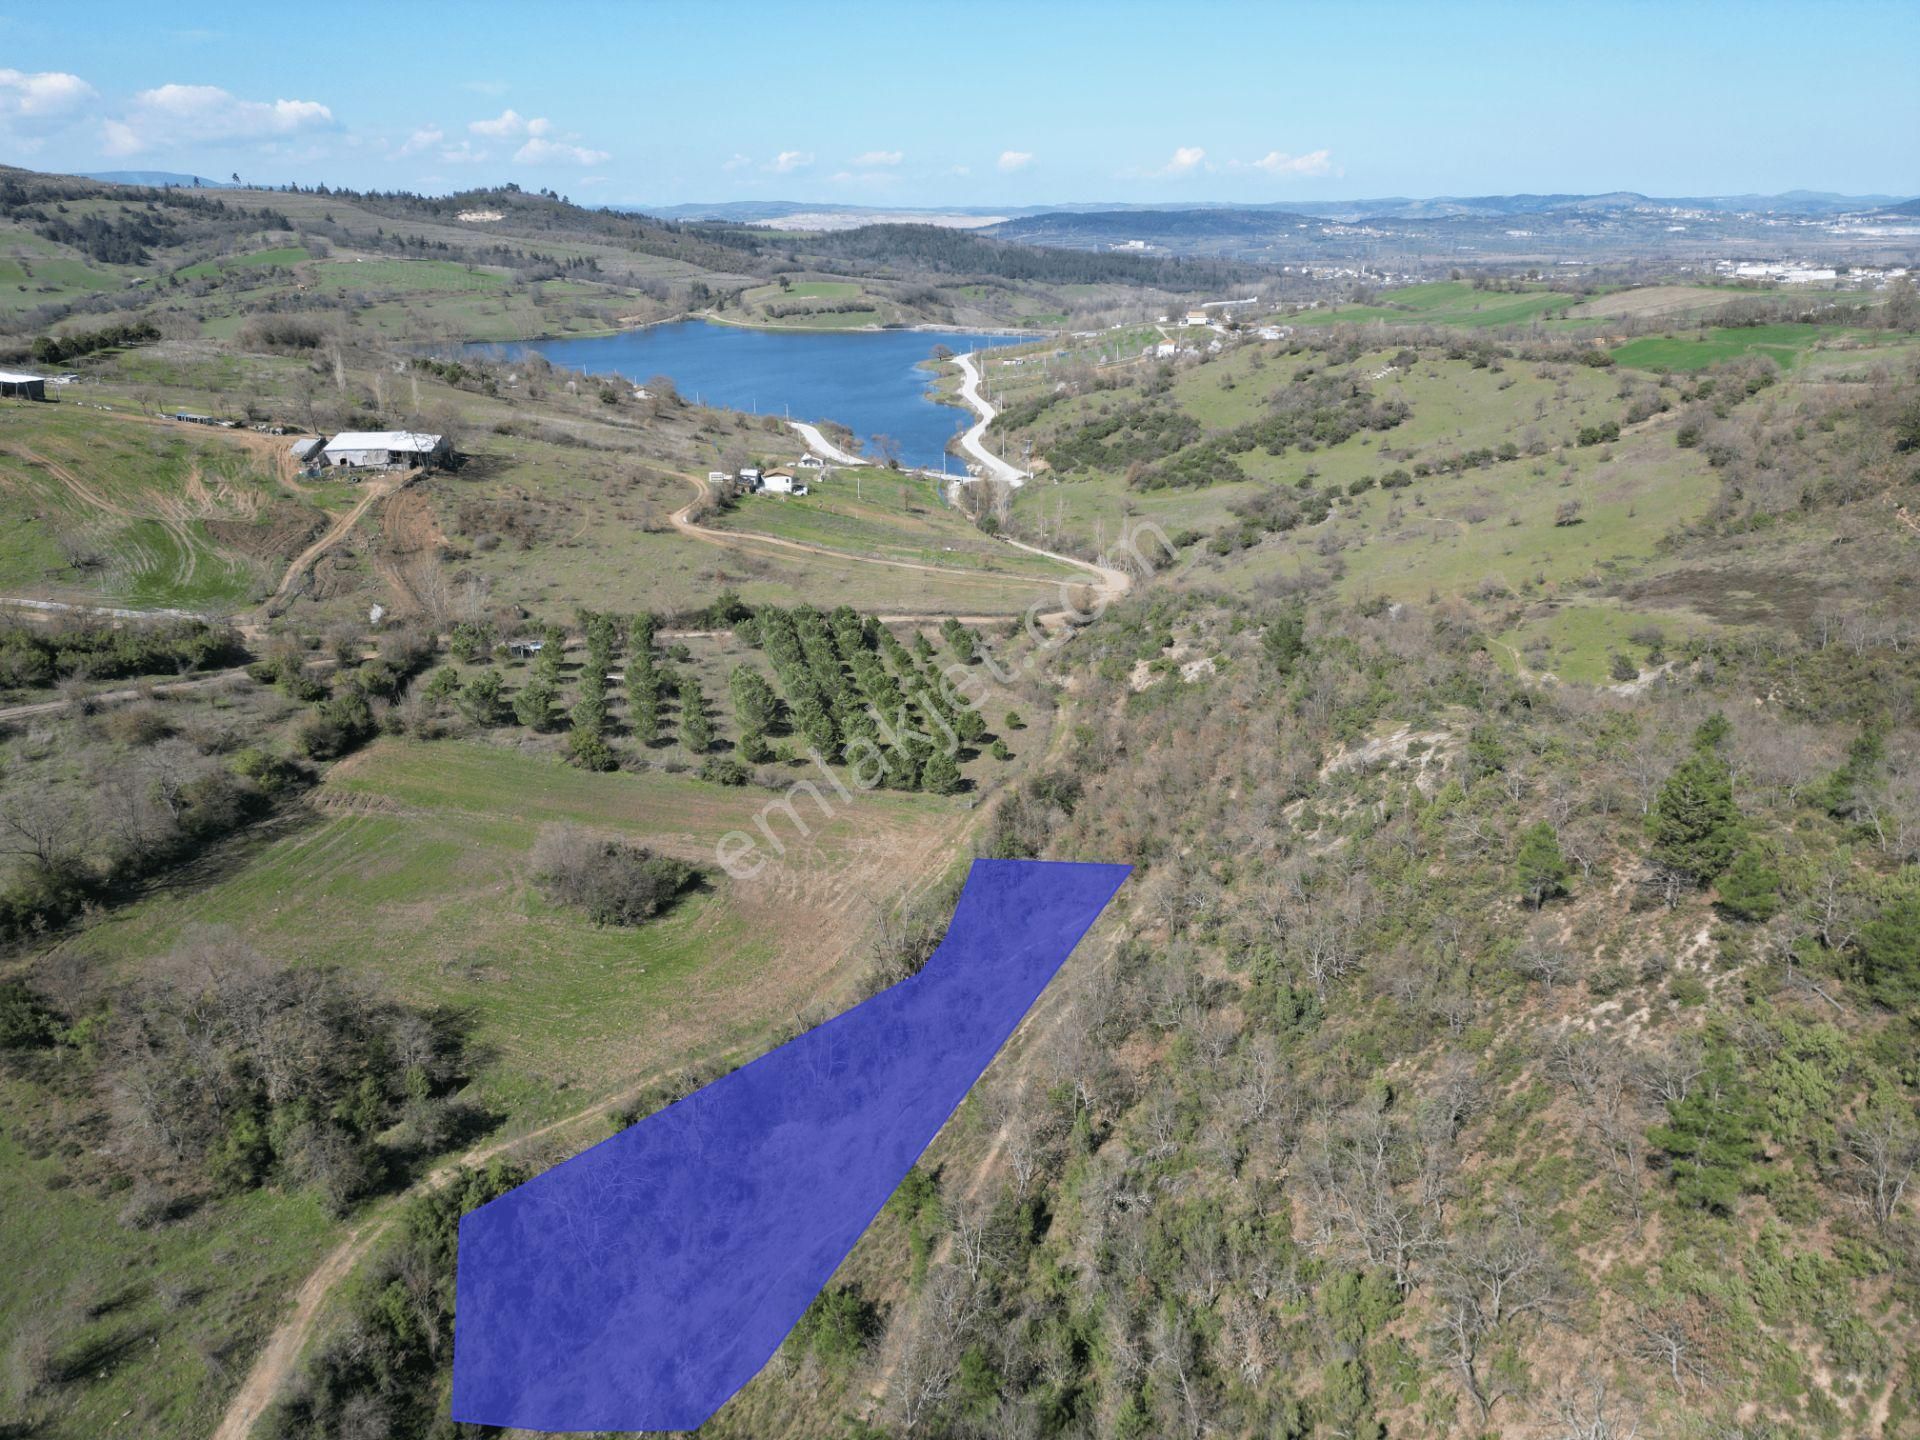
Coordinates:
782	482
378	449
1198	316
810	462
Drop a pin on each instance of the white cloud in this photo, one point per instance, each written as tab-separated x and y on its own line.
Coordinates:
543	142
34	106
1278	162
45	95
1015	159
539	151
507	123
738	162
787	161
1185	161
421	139
172	115
877	157
465	153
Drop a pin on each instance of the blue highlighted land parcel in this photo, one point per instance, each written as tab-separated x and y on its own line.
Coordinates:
638	1285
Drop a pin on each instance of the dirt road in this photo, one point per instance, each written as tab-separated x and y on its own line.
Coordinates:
377	490
1110	584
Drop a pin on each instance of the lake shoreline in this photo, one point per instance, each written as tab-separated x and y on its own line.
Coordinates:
874	382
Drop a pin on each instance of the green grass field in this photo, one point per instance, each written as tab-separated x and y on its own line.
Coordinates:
1783	344
417	871
1576	642
441	275
284	256
1454	407
35	280
1445	302
891	517
1498	527
117	511
151	1324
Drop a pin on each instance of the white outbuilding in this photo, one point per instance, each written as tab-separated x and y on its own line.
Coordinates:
27	387
379	449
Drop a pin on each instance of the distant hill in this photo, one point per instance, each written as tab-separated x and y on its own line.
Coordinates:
158	177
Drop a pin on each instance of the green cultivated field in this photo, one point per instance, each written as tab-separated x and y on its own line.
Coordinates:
1445	302
1783	344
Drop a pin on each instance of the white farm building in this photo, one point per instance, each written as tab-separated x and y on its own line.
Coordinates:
27	387
378	449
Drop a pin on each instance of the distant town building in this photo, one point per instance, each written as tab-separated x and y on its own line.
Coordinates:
378	449
22	386
1198	316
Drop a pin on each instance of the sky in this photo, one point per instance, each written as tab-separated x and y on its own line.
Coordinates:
986	104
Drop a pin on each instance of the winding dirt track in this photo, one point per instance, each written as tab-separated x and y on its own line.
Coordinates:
377	490
1109	584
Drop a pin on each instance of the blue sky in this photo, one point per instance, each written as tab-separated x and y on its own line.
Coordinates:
983	104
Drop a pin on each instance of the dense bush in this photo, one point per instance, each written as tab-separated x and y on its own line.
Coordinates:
613	882
34	656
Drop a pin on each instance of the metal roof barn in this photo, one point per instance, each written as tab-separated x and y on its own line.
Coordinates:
384	447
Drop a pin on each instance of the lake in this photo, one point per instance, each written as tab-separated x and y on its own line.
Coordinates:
868	380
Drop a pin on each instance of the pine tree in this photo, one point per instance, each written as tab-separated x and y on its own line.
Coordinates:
696	730
480	698
1695	826
533	706
1539	866
940	775
1750	888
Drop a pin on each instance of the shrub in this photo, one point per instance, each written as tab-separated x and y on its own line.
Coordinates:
723	770
614	882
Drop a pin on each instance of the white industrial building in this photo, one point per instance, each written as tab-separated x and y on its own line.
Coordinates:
378	449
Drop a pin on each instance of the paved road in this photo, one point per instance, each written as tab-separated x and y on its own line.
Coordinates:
824	447
974	441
